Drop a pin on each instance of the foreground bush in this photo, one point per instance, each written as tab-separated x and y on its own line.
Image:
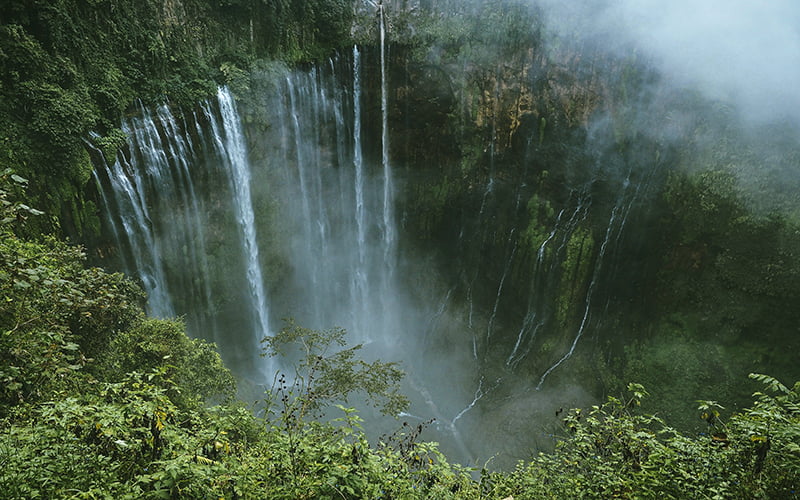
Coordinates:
611	451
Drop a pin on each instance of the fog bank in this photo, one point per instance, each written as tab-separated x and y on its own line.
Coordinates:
744	53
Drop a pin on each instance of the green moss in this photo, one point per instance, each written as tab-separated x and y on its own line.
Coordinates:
110	143
542	127
575	274
540	217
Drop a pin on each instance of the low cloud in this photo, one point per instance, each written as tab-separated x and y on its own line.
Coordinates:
742	52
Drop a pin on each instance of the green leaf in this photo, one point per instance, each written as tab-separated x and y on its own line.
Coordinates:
20	180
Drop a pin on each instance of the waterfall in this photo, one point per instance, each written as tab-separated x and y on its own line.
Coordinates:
297	218
104	200
231	147
587	306
479	394
529	323
334	208
181	149
360	290
161	212
616	224
388	187
388	223
507	268
128	178
302	164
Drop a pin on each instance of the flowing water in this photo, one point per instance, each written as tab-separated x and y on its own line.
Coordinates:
235	227
231	148
158	207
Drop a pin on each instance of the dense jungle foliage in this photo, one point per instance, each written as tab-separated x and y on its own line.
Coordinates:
99	401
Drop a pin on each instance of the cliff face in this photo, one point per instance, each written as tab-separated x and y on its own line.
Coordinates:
560	190
562	215
514	175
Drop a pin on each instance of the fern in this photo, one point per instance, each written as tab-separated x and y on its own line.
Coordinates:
772	383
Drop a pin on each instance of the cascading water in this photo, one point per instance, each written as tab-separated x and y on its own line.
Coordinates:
588	300
230	143
389	230
160	224
359	278
513	243
340	259
129	179
303	211
388	225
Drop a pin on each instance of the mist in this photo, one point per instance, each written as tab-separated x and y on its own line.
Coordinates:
746	54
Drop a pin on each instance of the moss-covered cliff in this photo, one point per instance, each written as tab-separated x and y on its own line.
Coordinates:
72	68
676	214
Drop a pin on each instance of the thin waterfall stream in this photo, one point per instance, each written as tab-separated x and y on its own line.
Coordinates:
231	145
359	288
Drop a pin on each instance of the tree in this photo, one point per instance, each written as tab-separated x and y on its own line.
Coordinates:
326	374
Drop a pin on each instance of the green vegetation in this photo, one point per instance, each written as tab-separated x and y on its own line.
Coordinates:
576	269
612	451
73	67
541	215
721	305
100	402
325	376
